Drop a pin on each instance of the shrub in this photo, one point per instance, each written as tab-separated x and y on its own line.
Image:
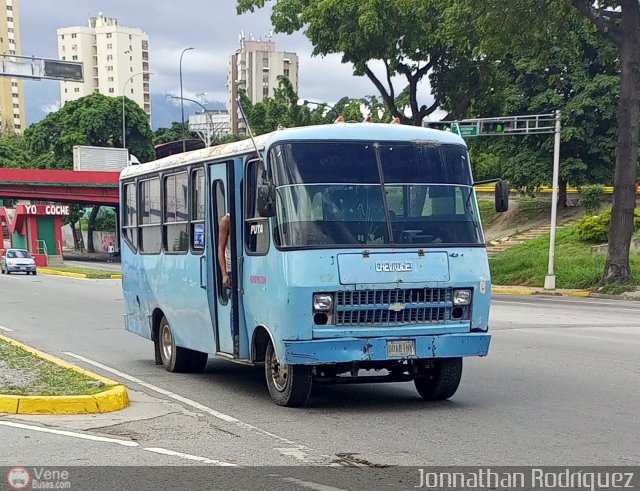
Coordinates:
592	198
596	228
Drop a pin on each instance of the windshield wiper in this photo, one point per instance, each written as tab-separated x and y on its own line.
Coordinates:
387	215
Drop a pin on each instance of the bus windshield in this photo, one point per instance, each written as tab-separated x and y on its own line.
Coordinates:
369	193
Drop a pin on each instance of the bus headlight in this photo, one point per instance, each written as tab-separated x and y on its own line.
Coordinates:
322	302
461	297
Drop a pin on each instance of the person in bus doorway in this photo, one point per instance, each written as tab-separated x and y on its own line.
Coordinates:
224	251
224	259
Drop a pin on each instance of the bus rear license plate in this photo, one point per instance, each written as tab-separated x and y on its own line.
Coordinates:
397	349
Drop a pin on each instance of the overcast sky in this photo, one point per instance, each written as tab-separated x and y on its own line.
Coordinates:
211	27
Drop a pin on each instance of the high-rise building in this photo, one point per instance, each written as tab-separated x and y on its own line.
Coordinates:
12	119
116	60
255	68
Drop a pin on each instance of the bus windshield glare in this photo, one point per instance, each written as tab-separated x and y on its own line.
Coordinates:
374	194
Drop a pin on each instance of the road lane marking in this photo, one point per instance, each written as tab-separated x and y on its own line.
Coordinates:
6	329
124	443
187	456
301	451
311	485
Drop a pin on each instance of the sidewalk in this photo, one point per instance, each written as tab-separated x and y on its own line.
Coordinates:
529	290
560	292
96	260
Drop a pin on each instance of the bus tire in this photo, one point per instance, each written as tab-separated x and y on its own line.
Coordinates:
442	381
174	358
198	361
289	385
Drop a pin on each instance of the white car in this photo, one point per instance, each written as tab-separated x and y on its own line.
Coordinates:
17	260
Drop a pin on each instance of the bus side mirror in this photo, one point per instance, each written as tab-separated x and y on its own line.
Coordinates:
266	199
502	196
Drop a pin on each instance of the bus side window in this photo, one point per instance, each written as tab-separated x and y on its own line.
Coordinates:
256	233
130	223
198	236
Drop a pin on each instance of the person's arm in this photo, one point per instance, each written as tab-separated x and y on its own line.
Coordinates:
223	231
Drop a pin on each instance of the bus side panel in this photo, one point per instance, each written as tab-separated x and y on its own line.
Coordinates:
158	281
132	279
267	300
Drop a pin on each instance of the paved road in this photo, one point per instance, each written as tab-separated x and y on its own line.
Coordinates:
560	387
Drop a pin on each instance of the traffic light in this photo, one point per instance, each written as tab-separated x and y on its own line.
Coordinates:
494	126
439	125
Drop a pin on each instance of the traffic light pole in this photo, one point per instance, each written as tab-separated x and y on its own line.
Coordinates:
511	126
550	279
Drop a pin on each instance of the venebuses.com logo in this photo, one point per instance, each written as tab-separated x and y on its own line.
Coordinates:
38	478
18	478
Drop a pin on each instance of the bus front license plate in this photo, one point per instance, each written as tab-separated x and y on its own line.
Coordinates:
396	349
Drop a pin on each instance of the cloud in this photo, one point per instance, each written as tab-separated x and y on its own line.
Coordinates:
51	108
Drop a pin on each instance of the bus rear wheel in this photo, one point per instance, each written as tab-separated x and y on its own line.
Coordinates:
289	385
441	381
174	358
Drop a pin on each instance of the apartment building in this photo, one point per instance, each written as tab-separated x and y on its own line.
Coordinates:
12	115
255	68
116	60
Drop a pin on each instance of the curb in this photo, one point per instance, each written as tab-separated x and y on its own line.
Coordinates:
76	275
61	273
505	290
112	399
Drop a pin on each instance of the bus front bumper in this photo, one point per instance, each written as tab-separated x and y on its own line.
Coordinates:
348	350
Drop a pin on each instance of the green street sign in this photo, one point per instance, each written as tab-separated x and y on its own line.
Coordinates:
468	130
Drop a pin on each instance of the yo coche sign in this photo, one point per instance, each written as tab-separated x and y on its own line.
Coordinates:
46	209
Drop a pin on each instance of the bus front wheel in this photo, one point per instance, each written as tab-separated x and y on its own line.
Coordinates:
289	385
174	358
441	381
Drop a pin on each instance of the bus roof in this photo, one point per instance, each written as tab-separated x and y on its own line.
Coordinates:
346	131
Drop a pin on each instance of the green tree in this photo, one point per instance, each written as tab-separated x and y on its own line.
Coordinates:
523	22
574	71
414	39
14	152
94	120
175	133
283	110
74	216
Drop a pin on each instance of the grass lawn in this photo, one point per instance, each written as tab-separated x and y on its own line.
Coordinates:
488	213
22	373
530	209
575	267
90	272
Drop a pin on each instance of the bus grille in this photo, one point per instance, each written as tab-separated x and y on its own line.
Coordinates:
393	307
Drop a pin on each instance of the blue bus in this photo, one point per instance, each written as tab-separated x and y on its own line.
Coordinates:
357	255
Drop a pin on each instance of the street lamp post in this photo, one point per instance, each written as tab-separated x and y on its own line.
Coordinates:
304	102
124	89
204	109
181	96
